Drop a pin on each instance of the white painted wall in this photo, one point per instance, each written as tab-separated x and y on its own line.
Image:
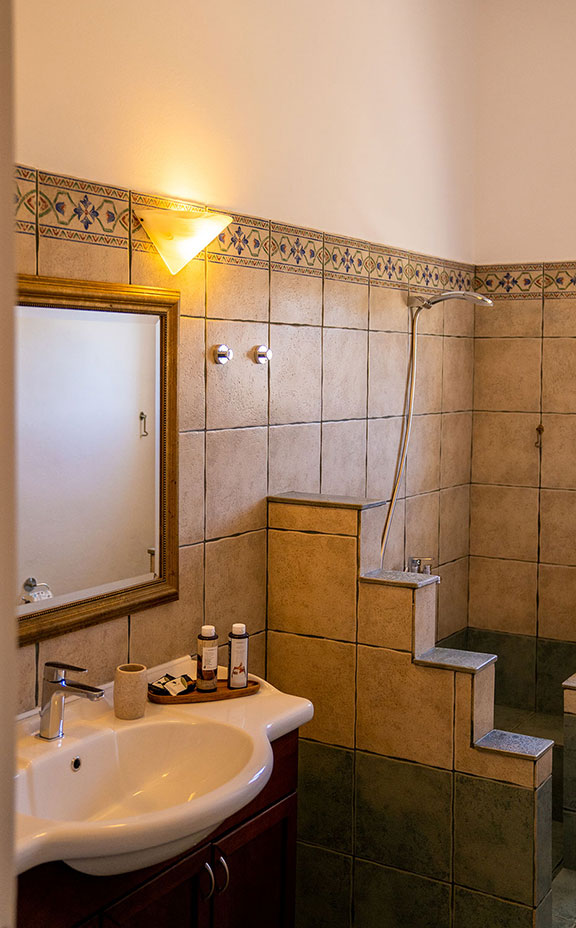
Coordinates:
7	623
525	178
354	118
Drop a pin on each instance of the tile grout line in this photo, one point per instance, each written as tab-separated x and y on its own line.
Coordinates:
205	441
37	224
440	450
367	381
471	471
322	363
539	529
130	236
355	738
269	381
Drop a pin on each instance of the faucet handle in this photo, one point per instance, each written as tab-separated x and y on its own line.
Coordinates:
52	668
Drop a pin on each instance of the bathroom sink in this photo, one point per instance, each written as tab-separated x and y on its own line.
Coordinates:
113	796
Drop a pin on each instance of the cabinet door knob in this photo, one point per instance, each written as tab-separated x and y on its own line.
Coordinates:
212	882
222	889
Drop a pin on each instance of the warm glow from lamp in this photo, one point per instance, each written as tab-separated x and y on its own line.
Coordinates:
179	235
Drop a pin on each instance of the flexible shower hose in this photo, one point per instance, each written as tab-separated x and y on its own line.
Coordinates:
407	429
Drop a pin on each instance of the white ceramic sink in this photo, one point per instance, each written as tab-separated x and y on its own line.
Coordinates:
113	796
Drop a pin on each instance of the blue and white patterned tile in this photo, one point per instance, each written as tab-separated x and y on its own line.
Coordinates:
424	273
140	240
296	250
560	280
510	281
457	276
70	209
83	229
25	218
388	267
25	200
346	259
245	242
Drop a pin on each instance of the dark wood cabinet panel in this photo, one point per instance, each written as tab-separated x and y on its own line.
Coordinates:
254	868
179	896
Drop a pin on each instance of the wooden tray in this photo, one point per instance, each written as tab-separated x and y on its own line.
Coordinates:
221	692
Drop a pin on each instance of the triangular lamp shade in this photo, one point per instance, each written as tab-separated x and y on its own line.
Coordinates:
179	235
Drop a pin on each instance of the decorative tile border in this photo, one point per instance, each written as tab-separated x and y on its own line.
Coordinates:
424	273
388	267
346	259
245	243
456	276
140	240
295	250
77	210
25	180
560	280
510	281
68	208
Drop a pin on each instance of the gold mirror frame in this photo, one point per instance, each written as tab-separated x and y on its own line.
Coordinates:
115	298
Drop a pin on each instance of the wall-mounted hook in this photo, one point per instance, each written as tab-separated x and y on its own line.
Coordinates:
143	432
261	354
539	429
222	354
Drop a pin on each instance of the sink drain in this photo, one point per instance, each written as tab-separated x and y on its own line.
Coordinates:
75	764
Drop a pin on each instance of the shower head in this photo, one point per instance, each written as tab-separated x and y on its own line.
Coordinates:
421	302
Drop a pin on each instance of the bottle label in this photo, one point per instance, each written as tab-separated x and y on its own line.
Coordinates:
210	657
238	662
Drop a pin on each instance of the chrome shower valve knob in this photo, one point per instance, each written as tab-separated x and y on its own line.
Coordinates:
262	354
222	354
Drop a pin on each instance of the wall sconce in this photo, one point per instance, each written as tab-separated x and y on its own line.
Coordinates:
179	235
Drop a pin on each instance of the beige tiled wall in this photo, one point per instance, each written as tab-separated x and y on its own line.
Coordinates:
523	504
323	416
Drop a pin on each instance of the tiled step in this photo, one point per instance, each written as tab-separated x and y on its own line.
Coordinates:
514	743
455	659
396	610
416	705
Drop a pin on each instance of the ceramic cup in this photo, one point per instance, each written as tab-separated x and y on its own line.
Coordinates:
130	691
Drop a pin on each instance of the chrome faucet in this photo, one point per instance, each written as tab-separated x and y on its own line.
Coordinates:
419	565
55	688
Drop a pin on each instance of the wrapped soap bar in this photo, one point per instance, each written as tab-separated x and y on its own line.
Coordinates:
169	685
159	686
178	686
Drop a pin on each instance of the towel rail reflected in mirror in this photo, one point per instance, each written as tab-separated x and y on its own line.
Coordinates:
97	452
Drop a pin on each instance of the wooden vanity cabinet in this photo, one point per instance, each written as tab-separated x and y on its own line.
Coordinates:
242	874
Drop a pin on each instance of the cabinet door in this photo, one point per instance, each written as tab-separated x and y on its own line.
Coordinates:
254	868
179	896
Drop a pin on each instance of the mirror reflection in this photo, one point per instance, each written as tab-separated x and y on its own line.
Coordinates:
88	414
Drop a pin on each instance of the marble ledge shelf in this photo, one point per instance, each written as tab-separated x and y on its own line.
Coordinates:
512	742
324	499
400	578
455	659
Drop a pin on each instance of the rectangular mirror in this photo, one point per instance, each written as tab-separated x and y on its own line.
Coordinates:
96	452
